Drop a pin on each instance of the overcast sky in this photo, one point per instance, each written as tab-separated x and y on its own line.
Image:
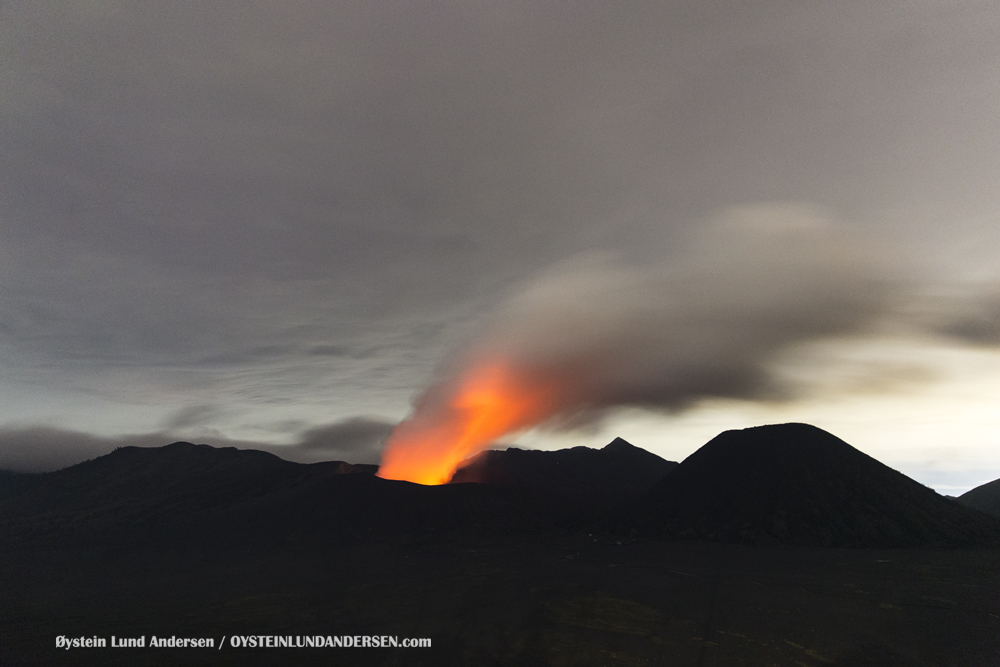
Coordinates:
280	222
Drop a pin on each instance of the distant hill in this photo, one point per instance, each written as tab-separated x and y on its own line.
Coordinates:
985	498
796	483
580	476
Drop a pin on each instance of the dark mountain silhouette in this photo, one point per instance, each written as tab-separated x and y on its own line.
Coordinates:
179	475
985	498
193	541
579	476
196	493
799	484
12	483
790	482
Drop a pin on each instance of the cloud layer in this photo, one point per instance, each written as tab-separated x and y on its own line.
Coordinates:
295	211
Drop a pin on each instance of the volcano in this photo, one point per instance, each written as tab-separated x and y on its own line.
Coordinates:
985	498
580	476
795	483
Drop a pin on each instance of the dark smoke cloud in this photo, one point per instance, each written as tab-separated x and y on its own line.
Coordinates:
709	321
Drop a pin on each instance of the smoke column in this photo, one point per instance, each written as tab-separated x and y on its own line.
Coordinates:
592	334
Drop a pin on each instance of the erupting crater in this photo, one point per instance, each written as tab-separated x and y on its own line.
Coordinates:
488	401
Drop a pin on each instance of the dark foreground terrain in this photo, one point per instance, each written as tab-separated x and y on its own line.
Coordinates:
552	601
777	545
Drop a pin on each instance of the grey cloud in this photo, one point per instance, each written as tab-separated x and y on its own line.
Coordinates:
982	327
244	183
263	352
356	440
40	449
967	313
360	351
43	449
328	351
418	136
192	415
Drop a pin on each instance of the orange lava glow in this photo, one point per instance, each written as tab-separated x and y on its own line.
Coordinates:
487	402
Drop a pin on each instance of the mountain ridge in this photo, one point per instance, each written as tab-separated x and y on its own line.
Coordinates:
788	484
985	498
795	483
580	476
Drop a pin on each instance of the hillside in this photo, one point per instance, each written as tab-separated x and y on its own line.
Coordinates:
193	494
795	483
985	498
579	476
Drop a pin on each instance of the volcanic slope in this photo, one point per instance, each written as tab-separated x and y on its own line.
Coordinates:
194	494
798	484
582	477
985	498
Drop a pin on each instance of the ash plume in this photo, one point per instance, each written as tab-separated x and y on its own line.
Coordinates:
709	322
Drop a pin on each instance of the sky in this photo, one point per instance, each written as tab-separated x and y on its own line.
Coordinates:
276	225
